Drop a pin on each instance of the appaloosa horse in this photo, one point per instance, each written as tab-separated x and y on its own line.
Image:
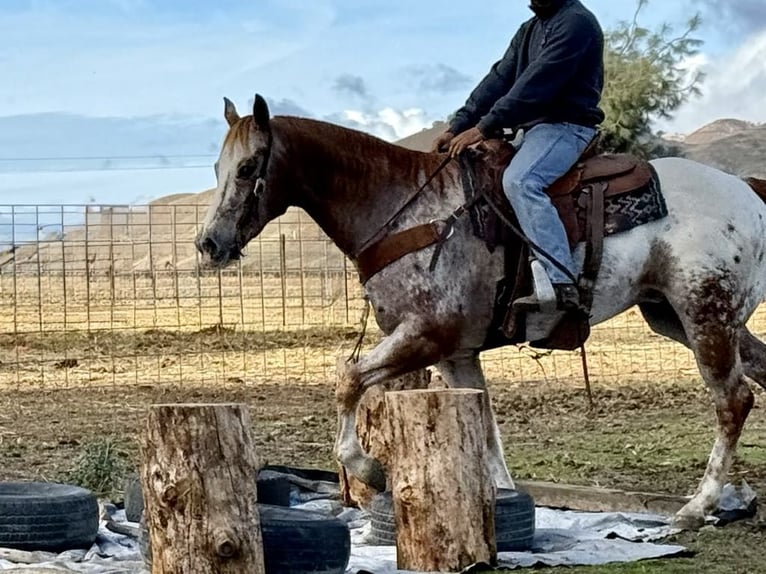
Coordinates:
697	274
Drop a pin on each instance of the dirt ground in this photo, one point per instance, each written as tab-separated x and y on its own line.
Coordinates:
653	437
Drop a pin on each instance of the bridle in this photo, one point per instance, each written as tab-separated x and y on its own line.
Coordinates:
260	177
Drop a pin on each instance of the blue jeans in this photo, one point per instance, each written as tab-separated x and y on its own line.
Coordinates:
546	153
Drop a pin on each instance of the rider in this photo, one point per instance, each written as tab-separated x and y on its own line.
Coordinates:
549	84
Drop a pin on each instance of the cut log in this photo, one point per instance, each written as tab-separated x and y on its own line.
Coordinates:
199	480
444	496
373	432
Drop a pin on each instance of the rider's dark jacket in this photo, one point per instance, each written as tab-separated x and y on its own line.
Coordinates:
552	72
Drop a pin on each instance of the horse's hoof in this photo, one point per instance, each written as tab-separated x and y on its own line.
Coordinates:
368	470
691	522
374	475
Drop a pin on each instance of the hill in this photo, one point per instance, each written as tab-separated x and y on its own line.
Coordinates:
742	153
422	140
717	130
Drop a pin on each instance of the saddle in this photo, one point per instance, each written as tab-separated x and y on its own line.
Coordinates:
605	175
600	196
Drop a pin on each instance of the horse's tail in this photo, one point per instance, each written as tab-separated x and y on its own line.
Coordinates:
758	186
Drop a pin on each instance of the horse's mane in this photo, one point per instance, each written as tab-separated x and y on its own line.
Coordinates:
321	141
329	131
355	149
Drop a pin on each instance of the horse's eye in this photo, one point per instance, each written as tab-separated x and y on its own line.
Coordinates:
246	171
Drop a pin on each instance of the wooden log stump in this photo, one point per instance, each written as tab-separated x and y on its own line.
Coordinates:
373	431
199	480
444	496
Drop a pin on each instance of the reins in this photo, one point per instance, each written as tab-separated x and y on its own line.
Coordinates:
445	162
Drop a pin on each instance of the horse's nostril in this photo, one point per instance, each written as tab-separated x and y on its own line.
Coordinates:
209	246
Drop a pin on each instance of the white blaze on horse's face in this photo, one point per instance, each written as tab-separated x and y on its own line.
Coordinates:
236	210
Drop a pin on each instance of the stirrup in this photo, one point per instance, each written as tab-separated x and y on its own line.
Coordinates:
543	298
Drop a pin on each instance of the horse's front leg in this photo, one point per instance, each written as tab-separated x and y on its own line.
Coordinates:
410	347
464	371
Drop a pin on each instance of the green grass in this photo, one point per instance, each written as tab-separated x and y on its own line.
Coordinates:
654	438
100	467
735	549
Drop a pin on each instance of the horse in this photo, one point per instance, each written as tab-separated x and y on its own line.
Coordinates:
697	274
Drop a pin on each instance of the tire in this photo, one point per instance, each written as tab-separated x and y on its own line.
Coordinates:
306	473
273	490
514	521
134	498
294	542
47	516
145	543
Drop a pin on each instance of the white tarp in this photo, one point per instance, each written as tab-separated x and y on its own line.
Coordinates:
562	538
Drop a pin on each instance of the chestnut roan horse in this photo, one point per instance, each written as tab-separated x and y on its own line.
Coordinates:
697	274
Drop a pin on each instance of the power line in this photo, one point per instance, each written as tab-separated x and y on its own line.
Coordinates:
108	158
134	168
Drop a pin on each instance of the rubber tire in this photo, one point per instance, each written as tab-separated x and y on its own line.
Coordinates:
307	473
273	490
133	497
514	521
294	542
47	516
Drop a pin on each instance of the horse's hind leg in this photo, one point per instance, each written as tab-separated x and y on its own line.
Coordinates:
410	347
714	335
753	354
464	371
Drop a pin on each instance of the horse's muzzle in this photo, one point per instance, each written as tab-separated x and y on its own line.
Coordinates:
214	253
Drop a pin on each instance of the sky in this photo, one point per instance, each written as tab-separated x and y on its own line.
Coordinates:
389	67
398	63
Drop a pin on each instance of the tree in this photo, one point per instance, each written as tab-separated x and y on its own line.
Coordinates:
645	80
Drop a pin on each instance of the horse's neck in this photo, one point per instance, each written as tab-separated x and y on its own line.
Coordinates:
349	183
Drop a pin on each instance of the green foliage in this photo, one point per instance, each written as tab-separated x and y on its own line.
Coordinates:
100	467
645	81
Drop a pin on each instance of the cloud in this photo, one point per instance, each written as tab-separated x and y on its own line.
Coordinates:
388	123
437	78
734	87
283	107
746	15
348	84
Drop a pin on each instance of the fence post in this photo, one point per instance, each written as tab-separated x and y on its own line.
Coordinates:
444	495
199	481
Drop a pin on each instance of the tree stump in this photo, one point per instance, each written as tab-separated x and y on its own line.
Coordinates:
444	496
199	480
372	429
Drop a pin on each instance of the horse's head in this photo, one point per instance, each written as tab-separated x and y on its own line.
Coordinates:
242	204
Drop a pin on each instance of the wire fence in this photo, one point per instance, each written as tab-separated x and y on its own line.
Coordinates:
111	295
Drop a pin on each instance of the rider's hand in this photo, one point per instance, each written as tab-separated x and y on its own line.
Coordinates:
441	144
465	140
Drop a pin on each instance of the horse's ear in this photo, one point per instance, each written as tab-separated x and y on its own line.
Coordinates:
261	113
230	112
